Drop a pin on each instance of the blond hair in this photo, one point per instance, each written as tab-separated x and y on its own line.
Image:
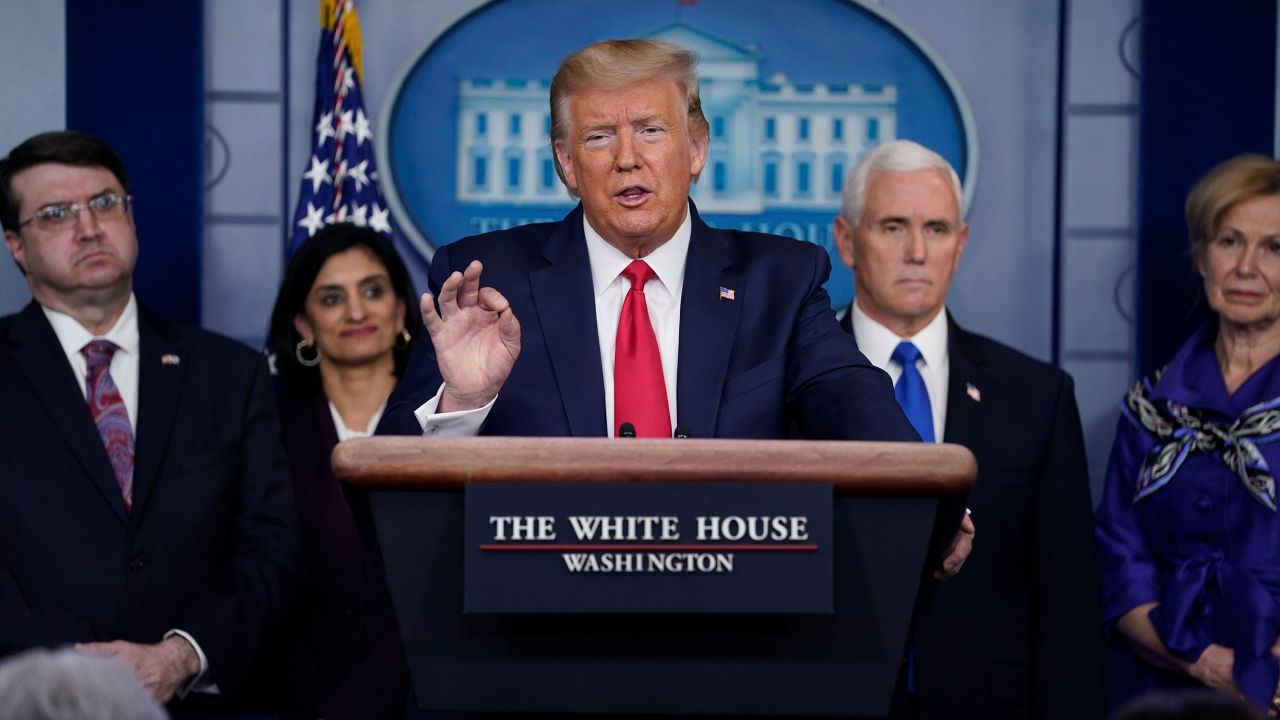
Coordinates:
615	64
1240	178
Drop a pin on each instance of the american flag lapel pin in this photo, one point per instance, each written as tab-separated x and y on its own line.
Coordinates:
726	294
973	392
170	359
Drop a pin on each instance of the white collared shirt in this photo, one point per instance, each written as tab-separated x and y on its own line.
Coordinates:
877	342
662	296
346	433
73	336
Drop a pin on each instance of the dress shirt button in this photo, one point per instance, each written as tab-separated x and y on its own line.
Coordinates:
433	429
1208	611
1204	503
136	564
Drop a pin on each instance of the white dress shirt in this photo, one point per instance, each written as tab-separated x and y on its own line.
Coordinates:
662	296
877	342
73	336
346	433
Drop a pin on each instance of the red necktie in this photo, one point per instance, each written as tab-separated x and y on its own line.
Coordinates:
639	392
110	415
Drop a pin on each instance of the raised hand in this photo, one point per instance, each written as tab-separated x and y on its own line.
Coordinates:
476	337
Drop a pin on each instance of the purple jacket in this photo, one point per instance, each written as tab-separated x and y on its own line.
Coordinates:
1183	529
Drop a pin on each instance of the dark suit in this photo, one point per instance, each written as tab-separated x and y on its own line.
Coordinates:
208	547
338	654
1017	634
747	367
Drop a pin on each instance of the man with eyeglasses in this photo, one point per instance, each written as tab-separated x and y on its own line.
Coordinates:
144	509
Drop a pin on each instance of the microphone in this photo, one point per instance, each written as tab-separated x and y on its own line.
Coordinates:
682	431
626	430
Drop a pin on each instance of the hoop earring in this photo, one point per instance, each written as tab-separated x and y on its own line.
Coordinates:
303	361
403	340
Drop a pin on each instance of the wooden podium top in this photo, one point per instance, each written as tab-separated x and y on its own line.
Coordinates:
859	468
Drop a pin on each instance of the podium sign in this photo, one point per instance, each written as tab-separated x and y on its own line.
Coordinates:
648	548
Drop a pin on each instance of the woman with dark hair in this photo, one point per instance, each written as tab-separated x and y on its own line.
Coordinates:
1188	531
344	320
311	308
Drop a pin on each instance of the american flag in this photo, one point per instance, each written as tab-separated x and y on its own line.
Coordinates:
973	392
726	293
341	180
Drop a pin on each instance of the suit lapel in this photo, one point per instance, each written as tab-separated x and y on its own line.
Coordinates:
846	320
38	354
566	306
707	327
966	416
161	370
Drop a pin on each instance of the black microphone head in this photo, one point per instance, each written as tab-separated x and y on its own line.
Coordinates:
626	429
682	431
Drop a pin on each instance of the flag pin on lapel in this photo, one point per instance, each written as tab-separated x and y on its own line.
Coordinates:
169	359
726	293
973	392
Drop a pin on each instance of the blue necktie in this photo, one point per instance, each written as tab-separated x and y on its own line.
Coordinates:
912	395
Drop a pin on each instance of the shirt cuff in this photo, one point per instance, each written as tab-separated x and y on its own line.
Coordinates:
197	682
463	423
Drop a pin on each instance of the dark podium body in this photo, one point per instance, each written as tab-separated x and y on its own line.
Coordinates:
896	506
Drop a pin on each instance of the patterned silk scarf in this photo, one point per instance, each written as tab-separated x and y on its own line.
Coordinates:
1182	429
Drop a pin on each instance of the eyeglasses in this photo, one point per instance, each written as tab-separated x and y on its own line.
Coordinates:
59	216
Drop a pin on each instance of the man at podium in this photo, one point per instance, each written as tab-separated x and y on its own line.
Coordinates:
631	316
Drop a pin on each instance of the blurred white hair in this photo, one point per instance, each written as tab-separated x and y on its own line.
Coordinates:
893	156
66	685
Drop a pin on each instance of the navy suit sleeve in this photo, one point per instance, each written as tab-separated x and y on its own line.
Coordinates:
25	625
230	624
834	391
422	376
26	619
1068	635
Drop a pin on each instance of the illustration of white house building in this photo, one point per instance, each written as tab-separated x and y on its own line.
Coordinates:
776	144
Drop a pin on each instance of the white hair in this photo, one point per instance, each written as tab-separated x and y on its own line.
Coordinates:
66	685
893	156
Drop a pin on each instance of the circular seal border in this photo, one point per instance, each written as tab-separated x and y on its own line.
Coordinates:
411	232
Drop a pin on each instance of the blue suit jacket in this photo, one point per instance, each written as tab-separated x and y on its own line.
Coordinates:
748	367
209	546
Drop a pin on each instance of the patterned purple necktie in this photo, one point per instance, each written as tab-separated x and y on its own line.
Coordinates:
110	415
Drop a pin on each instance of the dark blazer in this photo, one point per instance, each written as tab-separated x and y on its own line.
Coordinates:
209	546
338	655
1018	633
748	366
